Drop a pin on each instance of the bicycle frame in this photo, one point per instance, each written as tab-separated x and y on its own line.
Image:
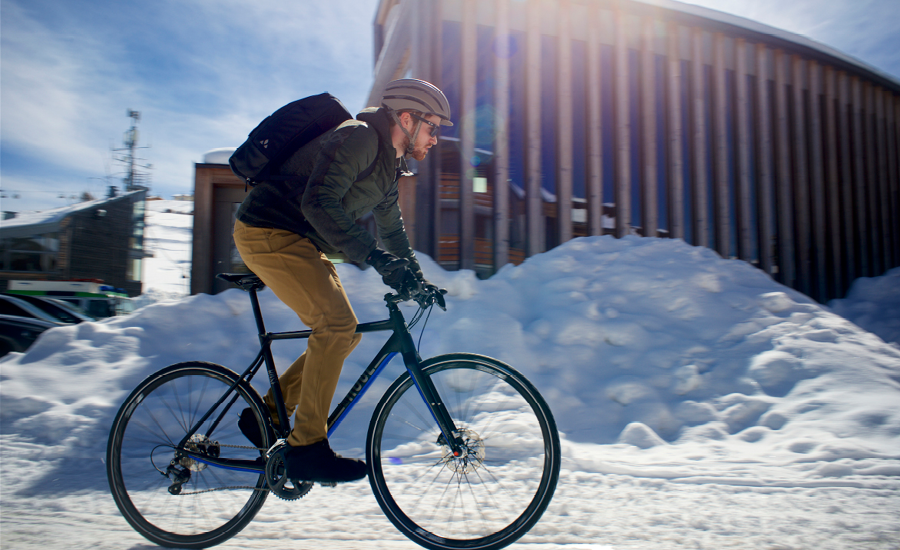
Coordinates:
399	342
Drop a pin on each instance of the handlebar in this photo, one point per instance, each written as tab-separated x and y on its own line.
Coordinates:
423	296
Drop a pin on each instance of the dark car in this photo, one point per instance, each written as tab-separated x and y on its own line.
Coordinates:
12	305
62	311
18	333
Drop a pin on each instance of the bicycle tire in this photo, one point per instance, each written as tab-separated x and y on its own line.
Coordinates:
494	496
151	421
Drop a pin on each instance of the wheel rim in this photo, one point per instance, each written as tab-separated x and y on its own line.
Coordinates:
490	494
214	501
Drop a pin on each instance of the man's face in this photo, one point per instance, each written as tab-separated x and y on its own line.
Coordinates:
424	140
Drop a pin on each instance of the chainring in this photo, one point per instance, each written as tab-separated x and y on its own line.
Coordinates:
276	477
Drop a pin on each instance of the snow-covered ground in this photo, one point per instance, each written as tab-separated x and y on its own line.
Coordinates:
701	404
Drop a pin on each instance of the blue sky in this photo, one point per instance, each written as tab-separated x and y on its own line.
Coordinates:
205	72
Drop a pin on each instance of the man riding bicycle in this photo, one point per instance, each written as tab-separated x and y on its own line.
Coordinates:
283	236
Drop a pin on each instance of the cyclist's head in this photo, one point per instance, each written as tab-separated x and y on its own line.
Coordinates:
417	96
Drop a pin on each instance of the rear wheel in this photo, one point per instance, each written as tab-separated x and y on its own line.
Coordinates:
172	499
501	484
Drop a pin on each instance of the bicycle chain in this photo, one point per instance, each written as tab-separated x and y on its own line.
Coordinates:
232	487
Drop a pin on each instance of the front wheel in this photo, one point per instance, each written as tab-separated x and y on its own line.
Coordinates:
175	499
492	494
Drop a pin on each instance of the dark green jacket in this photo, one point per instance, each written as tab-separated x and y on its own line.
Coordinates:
325	201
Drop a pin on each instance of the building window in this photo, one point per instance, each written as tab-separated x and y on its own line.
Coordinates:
30	254
137	226
133	271
136	242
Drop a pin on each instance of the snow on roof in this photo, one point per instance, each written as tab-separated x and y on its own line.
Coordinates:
775	33
218	156
27	224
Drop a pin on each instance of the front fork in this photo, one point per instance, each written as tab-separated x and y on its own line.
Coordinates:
449	433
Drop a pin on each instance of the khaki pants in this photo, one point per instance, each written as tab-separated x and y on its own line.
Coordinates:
306	281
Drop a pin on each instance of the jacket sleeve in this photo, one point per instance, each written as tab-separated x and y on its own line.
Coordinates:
344	156
390	224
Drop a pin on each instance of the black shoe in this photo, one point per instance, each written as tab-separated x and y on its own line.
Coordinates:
317	462
250	427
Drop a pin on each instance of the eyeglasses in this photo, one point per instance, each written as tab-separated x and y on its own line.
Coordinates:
435	128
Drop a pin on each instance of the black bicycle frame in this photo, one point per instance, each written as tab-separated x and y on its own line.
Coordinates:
400	342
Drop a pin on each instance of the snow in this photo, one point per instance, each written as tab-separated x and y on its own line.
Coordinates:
700	404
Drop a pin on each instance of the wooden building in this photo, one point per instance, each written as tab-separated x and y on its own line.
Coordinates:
655	118
100	239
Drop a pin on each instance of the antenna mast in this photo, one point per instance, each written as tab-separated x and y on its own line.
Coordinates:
134	179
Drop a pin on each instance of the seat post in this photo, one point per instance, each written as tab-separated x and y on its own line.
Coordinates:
257	313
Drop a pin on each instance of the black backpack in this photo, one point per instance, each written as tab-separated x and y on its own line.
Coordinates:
285	131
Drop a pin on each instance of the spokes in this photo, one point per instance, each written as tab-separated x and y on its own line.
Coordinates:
172	498
495	487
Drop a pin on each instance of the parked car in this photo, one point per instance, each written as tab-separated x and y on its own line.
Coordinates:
13	305
18	333
61	310
94	297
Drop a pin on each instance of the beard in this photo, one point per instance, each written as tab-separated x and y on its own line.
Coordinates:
419	152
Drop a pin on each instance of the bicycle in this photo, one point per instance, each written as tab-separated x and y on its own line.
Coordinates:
462	451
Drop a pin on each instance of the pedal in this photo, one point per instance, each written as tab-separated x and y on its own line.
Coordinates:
331	484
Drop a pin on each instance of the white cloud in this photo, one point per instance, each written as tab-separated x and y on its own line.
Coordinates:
52	94
202	74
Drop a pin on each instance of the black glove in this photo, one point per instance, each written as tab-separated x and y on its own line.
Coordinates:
423	284
425	292
393	270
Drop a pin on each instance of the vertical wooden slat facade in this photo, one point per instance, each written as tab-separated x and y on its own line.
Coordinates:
534	212
859	183
501	127
764	165
742	132
844	125
721	191
833	177
564	124
817	184
873	212
893	174
800	177
757	144
595	127
649	194
883	193
698	131
783	182
468	82
675	140
623	127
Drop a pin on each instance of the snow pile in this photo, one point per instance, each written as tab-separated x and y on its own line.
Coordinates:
870	302
638	341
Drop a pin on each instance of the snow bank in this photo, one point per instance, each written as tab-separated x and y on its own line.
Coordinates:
643	344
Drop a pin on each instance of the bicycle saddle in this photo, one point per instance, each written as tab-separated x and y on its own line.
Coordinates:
247	281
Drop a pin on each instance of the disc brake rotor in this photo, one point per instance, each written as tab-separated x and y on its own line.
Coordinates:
201	445
471	456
